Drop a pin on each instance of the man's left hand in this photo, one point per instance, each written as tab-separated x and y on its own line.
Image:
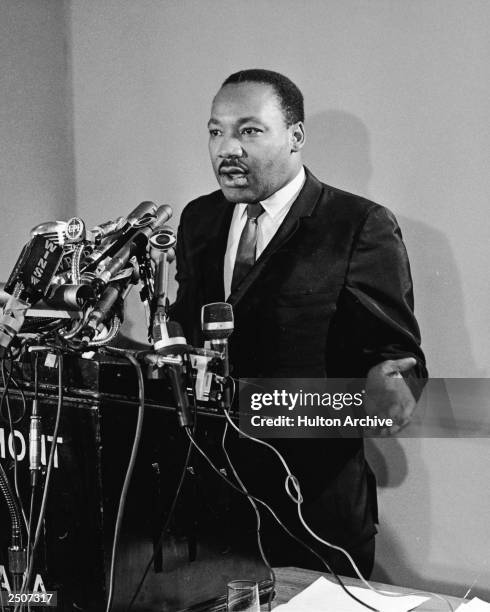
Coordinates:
388	395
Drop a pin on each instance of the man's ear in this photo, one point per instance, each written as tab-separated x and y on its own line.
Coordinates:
298	137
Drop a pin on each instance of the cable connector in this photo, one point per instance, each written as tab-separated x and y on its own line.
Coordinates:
17	560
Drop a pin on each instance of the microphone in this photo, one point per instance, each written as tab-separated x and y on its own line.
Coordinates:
27	283
169	339
11	321
129	243
121	224
108	228
162	254
162	214
217	326
175	373
103	308
34	268
69	297
163	239
217	321
143	215
54	230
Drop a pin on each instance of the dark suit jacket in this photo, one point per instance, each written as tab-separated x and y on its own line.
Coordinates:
331	295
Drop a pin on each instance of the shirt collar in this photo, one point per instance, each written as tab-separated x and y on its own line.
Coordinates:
283	197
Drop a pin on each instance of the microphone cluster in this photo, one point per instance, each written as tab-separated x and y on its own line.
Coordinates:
80	277
68	289
188	368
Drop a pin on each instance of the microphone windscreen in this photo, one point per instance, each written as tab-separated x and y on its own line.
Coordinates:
168	338
162	215
217	320
142	214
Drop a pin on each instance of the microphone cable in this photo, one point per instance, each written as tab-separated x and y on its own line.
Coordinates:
129	473
281	524
252	503
47	481
15	518
5	399
33	486
290	478
11	379
173	505
257	515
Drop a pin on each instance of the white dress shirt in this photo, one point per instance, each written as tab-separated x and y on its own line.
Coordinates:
276	207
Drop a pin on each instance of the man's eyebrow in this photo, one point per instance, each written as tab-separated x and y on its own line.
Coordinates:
251	118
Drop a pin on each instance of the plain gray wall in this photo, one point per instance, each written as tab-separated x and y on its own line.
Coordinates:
397	109
37	174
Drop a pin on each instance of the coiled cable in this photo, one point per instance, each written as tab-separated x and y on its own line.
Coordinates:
13	508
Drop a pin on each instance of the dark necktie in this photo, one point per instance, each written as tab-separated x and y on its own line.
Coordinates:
245	255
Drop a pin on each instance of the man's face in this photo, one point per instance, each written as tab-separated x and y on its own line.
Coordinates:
252	150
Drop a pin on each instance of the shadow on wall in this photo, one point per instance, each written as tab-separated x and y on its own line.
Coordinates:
417	568
439	301
388	460
338	152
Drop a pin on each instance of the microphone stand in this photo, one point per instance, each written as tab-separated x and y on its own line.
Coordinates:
224	379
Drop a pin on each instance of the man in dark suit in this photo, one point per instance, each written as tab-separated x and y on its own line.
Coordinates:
320	285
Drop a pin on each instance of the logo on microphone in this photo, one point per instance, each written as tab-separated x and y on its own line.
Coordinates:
43	263
75	229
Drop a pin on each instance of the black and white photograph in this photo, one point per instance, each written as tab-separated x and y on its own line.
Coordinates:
244	305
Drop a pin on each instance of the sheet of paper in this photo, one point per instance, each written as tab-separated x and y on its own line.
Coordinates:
325	596
475	605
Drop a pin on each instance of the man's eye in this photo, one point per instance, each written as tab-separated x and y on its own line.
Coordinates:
214	132
249	131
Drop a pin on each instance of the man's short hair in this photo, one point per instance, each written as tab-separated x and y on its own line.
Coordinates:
289	95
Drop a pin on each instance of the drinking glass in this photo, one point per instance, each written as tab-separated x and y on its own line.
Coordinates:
242	596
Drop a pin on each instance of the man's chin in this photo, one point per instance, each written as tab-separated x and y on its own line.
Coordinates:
238	194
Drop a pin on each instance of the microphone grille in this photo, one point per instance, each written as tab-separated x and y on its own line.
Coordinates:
217	320
169	338
53	230
163	239
162	214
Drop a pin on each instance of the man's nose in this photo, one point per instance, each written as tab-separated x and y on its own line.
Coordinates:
230	146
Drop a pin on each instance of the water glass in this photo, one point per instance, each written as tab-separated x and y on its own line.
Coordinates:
242	596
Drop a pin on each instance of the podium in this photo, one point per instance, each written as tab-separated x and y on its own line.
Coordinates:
211	537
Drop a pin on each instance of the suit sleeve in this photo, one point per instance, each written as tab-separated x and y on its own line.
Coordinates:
378	297
179	310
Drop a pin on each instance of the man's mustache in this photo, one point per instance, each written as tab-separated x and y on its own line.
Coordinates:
228	166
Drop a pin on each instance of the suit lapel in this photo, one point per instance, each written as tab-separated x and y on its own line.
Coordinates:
303	206
214	254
